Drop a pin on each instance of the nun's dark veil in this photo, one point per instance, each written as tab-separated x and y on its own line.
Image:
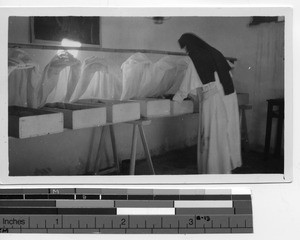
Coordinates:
192	42
207	60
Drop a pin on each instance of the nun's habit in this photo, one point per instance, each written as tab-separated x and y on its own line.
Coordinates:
219	134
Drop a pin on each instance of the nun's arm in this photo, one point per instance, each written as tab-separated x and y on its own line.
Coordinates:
190	83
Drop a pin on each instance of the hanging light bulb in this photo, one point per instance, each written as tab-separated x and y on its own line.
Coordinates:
159	20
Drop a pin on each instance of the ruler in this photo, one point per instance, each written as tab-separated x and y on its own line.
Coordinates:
125	211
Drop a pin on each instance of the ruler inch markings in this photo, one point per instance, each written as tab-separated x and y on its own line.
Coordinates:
208	224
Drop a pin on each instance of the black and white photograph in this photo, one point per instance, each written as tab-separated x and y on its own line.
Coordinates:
153	95
149	117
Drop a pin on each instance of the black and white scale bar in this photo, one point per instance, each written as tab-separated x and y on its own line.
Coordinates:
111	224
93	210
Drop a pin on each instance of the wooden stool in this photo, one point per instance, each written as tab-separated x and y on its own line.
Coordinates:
96	165
138	125
279	114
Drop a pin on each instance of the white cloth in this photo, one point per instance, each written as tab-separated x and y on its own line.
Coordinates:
23	76
143	78
173	76
220	134
59	79
89	84
136	72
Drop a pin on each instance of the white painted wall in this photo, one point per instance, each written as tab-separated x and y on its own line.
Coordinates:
259	50
259	72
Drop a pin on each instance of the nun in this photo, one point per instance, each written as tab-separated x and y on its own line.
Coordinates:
208	76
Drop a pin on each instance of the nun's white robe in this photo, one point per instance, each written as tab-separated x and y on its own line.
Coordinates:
220	133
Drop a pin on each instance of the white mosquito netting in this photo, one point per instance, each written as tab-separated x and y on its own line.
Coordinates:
59	79
65	79
143	78
97	80
23	76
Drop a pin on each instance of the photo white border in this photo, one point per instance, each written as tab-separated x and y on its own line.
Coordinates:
149	179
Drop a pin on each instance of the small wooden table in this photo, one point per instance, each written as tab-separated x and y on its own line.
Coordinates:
138	125
274	113
94	167
243	127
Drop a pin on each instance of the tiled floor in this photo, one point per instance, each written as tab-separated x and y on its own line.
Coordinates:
184	162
